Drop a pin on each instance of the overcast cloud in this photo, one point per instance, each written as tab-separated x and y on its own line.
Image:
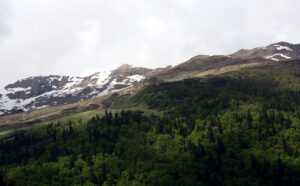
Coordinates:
80	37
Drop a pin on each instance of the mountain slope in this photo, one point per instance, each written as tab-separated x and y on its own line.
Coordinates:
277	52
239	128
200	66
44	91
204	65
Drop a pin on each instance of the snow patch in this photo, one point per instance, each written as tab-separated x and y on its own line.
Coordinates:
110	88
18	89
72	81
136	77
272	57
101	77
279	47
43	106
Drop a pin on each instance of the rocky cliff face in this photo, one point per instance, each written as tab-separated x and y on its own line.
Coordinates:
43	91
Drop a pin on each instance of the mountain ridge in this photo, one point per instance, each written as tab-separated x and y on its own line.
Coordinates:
38	92
43	91
279	51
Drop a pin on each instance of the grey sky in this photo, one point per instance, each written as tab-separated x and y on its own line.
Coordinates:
80	37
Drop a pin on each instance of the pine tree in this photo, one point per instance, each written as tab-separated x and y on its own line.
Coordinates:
249	119
70	128
220	128
280	170
272	117
210	133
279	118
284	144
220	146
64	135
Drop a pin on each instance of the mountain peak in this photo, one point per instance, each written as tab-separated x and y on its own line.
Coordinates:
124	67
282	43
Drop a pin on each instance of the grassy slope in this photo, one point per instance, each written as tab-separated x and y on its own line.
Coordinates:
79	118
201	66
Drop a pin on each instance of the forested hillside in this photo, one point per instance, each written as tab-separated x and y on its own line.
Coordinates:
241	128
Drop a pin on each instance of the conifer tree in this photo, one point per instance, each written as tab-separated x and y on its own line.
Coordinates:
220	128
210	133
249	119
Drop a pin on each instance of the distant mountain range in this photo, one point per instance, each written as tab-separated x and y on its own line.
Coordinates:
43	91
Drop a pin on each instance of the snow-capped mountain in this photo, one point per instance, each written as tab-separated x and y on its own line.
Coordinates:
43	91
276	52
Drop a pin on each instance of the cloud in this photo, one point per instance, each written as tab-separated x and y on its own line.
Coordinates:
75	37
4	13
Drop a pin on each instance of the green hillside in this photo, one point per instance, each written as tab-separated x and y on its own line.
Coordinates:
240	128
